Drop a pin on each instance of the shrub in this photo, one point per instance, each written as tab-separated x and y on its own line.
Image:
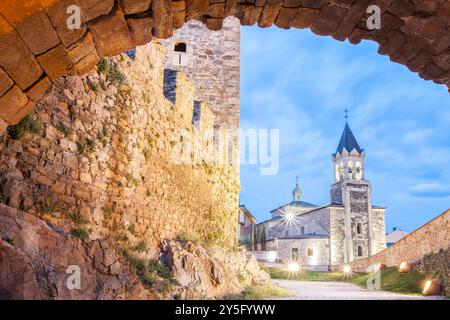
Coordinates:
62	128
80	232
115	75
26	125
186	236
147	153
141	246
132	229
92	85
86	146
102	65
77	218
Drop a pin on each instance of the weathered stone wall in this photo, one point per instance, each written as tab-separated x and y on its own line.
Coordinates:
432	239
115	155
212	62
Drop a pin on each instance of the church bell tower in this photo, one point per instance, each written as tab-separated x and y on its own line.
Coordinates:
354	193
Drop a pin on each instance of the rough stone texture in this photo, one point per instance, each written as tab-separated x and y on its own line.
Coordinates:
112	153
210	273
112	26
211	53
12	104
126	188
413	33
425	247
34	257
437	266
15	58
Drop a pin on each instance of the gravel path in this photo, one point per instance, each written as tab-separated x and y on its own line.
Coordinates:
314	290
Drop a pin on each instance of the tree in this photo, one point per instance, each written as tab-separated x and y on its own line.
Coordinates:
263	239
255	239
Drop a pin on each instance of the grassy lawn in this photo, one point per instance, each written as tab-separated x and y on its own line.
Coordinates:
259	293
391	279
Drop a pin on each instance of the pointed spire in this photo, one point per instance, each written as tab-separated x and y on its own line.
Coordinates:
348	141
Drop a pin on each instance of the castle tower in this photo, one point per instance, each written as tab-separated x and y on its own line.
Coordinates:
211	60
354	193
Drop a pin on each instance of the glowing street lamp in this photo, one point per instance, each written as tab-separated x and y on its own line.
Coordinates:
293	267
431	288
405	267
347	269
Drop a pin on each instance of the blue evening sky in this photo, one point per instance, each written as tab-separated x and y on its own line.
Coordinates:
301	83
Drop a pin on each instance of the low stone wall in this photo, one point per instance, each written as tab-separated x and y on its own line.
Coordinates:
427	248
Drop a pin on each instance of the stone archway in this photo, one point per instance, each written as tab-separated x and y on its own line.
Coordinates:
36	46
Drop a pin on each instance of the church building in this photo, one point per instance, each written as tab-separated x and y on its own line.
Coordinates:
324	237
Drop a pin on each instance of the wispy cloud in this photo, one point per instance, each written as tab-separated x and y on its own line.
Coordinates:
433	190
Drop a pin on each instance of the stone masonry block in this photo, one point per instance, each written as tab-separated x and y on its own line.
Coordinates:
56	62
15	58
84	55
285	17
112	26
140	30
268	15
328	20
248	14
13	106
195	9
5	82
37	32
39	89
163	20
57	12
135	6
305	17
95	8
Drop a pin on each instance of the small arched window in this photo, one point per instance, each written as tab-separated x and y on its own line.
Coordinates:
180	47
337	172
341	171
358	228
310	252
350	170
360	251
358	171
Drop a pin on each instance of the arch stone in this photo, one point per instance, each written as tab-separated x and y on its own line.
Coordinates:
36	46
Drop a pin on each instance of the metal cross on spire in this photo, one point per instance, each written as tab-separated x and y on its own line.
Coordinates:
296	178
346	114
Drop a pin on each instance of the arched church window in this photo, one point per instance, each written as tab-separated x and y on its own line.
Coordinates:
358	171
350	170
341	171
336	172
360	251
358	228
180	47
